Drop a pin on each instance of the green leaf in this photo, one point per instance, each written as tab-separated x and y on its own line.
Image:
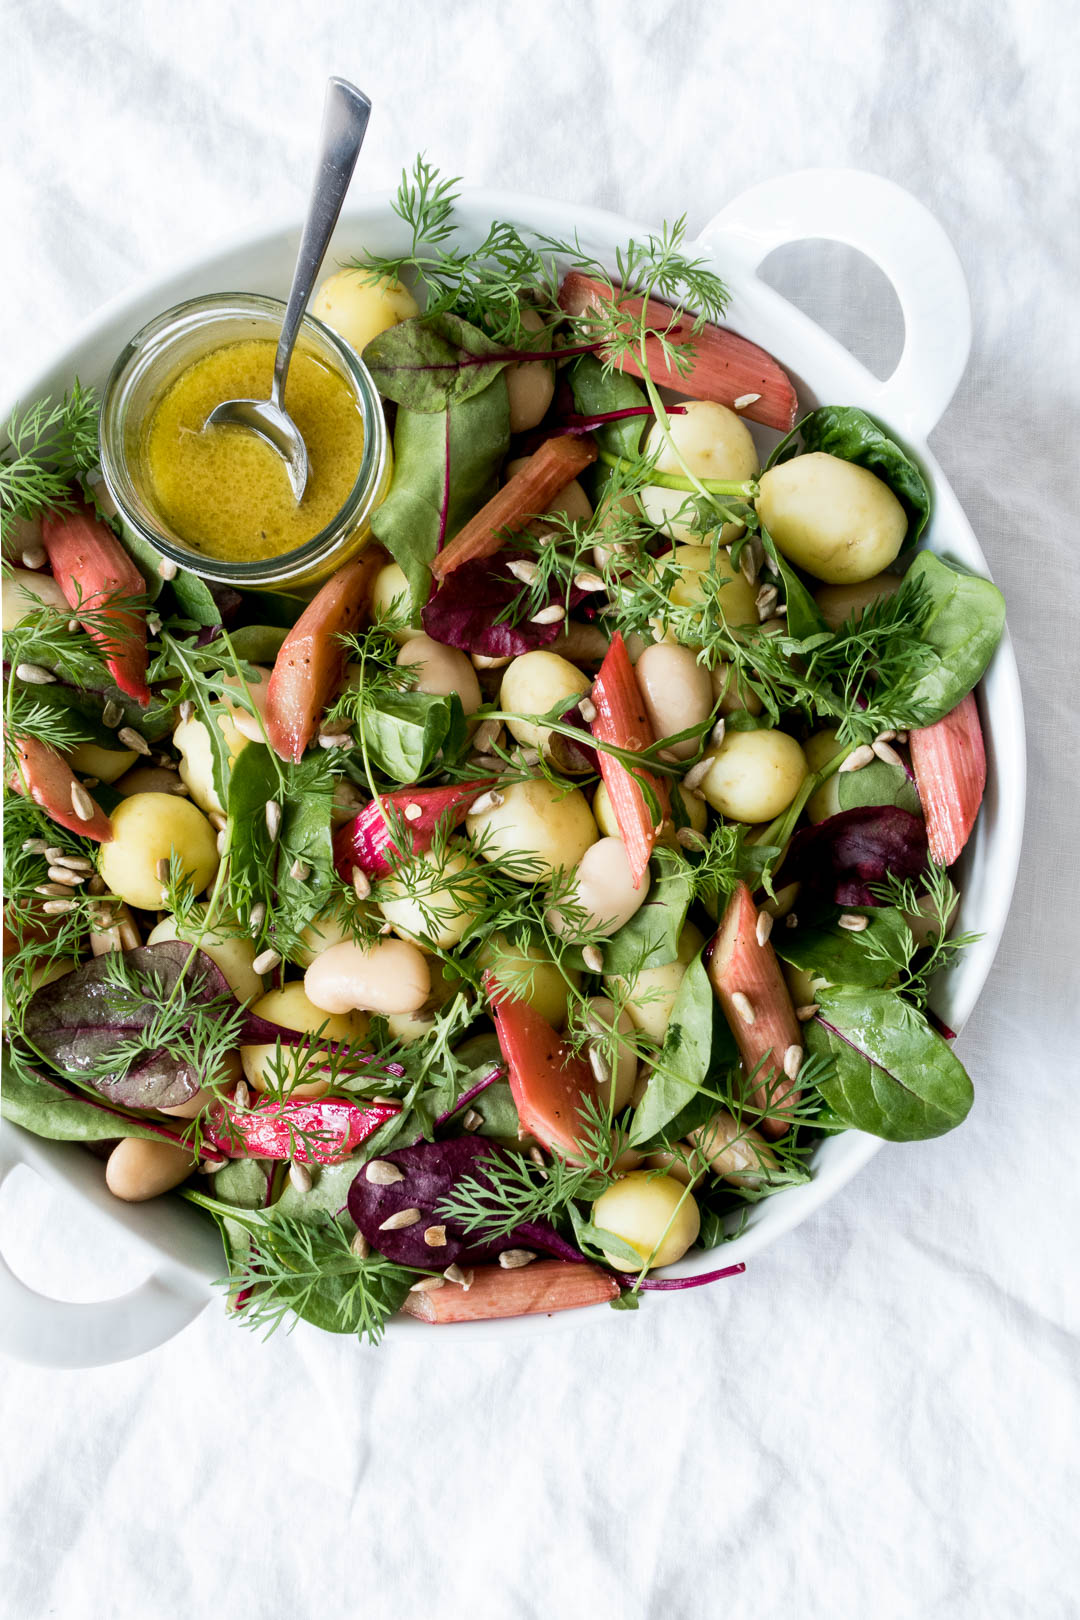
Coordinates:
446	467
265	866
597	391
651	937
895	1077
145	556
405	731
44	1105
844	431
428	364
963	627
273	607
868	959
803	614
685	1058
195	599
877	783
258	643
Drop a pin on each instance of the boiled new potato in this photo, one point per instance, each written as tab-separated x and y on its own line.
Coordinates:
838	603
105	763
530	384
601	896
710	441
754	775
435	898
571	503
825	801
391	598
694	812
358	306
321	932
233	954
192	740
696	567
536	826
291	1008
26	592
602	1019
533	684
414	1026
531	974
152	827
441	671
650	996
677	691
654	1214
730	693
247	724
832	517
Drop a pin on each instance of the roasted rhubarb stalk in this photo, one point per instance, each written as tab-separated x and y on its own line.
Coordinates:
623	721
41	773
725	367
549	1083
750	988
537	1289
949	761
310	666
528	494
315	1132
93	570
368	842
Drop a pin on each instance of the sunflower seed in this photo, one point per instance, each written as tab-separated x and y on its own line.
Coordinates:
765	602
600	1066
524	570
413	812
696	774
133	739
153	623
34	557
587	710
744	400
128	935
885	736
81	802
361	883
791	920
482	661
435	1237
668	755
764	927
381	1173
744	1007
300	871
401	1218
716	736
804	1014
514	1259
589	582
335	739
52	891
593	957
487	801
34	675
63	875
853	922
887	754
793	1062
472	1119
96	885
53	853
161	870
863	755
34	846
464	1278
901	736
257	917
242	1095
272	812
529	756
210	1167
54	908
549	615
76	863
486	735
537	1157
267	961
221	841
360	1246
427	1284
300	1177
167	568
187	710
690	838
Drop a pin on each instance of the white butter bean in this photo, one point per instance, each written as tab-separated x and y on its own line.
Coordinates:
677	692
530	384
602	892
441	671
137	1169
390	976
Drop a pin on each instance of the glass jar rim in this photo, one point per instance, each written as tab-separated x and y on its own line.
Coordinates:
150	345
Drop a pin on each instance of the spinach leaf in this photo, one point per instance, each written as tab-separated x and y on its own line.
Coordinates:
803	614
43	1104
651	937
844	431
258	643
878	783
263	866
596	392
963	627
405	732
196	600
145	556
446	467
430	363
868	959
895	1077
685	1057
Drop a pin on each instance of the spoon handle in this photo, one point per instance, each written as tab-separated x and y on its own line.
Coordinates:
345	121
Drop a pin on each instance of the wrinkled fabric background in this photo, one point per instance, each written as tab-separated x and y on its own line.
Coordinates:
879	1418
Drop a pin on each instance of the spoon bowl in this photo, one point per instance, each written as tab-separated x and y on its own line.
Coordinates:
275	427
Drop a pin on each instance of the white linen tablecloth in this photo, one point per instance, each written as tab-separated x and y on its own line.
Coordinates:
880	1418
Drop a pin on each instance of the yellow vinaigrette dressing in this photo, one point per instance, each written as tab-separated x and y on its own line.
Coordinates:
223	491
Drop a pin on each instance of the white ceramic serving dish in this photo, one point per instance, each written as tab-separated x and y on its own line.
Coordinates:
897	233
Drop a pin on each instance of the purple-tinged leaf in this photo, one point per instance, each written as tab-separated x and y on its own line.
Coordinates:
839	859
464	610
670	1285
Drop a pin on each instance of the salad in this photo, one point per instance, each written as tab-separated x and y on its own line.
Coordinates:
477	932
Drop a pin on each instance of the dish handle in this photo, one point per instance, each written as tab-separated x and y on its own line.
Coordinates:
59	1333
903	239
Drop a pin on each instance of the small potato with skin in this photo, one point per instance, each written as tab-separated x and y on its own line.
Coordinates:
151	827
292	1009
234	954
388	976
825	800
359	306
649	998
694	566
543	826
107	764
838	603
571	503
137	1169
730	693
803	984
534	683
530	384
391	598
602	891
434	899
754	775
192	740
321	932
735	1151
441	671
713	443
251	726
833	518
532	975
677	691
653	1214
602	1015
25	592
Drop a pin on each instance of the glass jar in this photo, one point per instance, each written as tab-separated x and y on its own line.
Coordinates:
155	358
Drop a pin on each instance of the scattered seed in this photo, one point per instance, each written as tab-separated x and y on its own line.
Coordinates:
593	957
65	877
529	756
885	736
361	883
128	935
34	557
744	1007
464	1279
472	1119
210	1167
435	1237
668	755
55	908
791	920
381	1173
52	890
887	754
242	1095
167	568
413	812
91	781
34	675
513	1259
34	846
427	1284
81	802
161	870
482	661
744	400
524	570
537	1157
765	602
549	615
696	774
335	739
96	885
716	736
486	762
360	1246
272	812
187	710
300	1177
267	961
487	801
300	871
387	928
853	922
857	759
486	735
76	863
901	736
401	1218
53	853
587	710
153	623
764	927
221	841
133	739
804	1014
257	917
793	1062
690	838
217	820
589	582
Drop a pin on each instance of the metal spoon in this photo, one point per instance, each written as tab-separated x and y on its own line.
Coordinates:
345	121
